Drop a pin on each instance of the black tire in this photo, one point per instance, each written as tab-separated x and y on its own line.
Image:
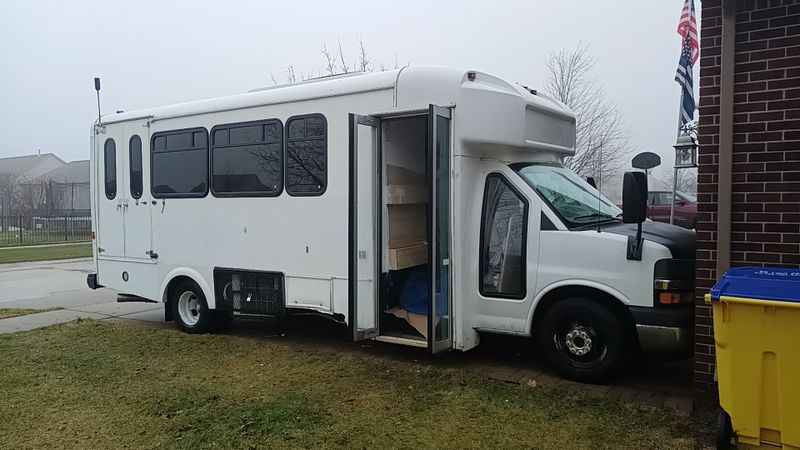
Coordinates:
723	431
584	340
221	320
198	319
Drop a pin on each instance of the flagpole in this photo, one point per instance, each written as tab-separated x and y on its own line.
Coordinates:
687	34
674	168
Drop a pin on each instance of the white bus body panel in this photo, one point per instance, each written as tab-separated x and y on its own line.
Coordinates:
306	238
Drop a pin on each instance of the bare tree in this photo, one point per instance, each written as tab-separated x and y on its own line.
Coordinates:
20	195
687	181
9	188
602	133
343	68
364	63
31	198
336	63
290	76
330	60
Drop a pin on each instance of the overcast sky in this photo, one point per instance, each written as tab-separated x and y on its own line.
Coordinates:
152	53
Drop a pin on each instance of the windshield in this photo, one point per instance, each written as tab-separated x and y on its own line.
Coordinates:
571	197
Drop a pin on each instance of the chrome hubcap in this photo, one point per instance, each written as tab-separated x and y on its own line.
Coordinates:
189	308
578	342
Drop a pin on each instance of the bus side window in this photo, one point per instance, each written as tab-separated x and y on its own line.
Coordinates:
306	155
179	163
247	159
135	149
504	224
110	163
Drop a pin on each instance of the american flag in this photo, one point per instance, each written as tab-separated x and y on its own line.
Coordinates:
687	28
684	78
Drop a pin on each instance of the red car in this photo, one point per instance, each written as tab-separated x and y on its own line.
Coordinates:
658	204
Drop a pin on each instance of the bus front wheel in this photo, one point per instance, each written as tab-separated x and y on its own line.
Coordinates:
583	340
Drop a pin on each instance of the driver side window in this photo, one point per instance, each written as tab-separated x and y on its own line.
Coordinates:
504	224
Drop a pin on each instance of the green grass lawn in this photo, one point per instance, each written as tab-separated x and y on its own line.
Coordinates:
90	384
6	313
46	253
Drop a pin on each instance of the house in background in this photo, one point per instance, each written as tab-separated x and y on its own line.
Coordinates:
43	184
30	167
67	189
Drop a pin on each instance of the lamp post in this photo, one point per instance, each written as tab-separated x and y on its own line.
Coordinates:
685	157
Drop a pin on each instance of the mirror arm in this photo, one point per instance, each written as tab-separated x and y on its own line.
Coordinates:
635	244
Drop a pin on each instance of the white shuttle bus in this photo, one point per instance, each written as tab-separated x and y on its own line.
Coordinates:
424	206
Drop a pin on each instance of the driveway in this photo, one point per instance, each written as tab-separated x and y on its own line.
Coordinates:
62	284
50	284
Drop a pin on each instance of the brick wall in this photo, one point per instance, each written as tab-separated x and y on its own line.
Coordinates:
765	208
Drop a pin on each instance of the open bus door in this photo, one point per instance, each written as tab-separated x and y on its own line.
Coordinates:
440	318
363	237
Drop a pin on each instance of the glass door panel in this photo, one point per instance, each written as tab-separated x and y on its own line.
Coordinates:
440	319
363	265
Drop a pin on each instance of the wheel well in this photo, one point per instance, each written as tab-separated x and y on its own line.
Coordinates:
612	303
168	295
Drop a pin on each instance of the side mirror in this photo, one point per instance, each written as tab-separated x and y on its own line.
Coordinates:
634	197
634	210
680	202
591	182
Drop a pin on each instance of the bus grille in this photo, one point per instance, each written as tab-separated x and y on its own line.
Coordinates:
250	292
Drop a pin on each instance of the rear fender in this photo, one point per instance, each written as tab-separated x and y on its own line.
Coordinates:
194	276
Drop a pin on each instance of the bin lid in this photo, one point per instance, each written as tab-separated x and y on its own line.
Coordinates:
759	283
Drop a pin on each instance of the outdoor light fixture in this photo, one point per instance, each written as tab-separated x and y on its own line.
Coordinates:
685	157
685	152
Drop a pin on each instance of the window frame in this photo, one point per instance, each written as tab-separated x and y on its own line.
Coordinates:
105	168
286	155
482	250
130	167
152	163
282	153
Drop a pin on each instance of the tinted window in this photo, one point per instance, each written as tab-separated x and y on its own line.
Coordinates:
247	159
306	155
110	162
179	162
135	149
503	236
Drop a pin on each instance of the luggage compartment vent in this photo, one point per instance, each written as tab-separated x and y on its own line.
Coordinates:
250	291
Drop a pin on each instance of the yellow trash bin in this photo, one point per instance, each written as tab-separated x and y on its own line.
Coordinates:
757	334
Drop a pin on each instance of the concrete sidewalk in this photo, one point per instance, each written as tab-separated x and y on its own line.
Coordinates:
101	311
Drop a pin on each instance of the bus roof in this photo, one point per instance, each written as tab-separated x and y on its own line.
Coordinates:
411	79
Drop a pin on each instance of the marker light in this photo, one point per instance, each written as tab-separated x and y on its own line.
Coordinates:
669	298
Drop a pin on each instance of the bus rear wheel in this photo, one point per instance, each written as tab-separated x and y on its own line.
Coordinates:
189	308
583	340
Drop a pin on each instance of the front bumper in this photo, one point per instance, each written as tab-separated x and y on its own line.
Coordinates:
665	330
